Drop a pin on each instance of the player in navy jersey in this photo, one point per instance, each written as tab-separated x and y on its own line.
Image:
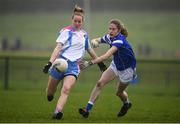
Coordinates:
72	43
123	66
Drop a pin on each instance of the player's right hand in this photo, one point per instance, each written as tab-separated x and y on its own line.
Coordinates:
84	64
46	67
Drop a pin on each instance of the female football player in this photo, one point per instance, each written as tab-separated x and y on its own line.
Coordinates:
71	45
122	66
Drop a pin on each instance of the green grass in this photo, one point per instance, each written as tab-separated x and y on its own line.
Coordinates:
155	98
150	104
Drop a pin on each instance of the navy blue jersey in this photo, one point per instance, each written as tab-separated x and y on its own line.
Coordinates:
124	57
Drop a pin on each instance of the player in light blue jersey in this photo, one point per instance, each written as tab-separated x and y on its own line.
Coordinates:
71	45
123	66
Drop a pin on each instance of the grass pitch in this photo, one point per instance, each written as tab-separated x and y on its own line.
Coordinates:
155	98
151	103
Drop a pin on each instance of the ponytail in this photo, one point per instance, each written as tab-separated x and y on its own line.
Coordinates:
124	31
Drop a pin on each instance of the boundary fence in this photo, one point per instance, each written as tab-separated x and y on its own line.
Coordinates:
12	67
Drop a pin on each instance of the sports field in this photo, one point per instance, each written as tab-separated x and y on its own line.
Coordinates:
150	104
154	99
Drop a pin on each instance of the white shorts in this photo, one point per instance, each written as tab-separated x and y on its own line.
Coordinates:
124	76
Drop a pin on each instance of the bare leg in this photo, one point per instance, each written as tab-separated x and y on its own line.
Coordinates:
68	83
121	93
124	98
106	77
51	87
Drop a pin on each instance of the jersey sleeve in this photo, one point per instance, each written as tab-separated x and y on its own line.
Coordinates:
104	39
117	43
87	42
63	37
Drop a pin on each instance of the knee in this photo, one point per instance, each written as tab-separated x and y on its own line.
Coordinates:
66	90
99	84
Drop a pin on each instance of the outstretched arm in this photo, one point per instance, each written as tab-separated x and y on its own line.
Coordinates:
92	53
99	60
105	56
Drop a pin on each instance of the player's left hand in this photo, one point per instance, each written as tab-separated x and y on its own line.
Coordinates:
94	43
102	66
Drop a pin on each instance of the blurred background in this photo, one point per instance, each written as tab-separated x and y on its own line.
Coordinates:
153	25
29	28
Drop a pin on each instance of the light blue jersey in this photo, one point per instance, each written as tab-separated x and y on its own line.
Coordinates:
75	43
124	57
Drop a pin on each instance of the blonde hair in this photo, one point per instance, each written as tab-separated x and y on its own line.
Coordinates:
78	11
120	26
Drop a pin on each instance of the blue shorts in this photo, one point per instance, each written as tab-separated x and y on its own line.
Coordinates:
73	69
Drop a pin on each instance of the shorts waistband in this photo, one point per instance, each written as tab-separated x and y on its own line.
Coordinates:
67	59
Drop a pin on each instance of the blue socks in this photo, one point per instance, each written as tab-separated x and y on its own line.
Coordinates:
89	106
